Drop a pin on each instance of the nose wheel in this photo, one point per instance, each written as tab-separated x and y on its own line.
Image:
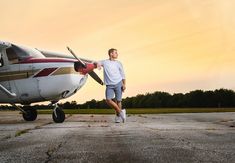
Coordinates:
58	115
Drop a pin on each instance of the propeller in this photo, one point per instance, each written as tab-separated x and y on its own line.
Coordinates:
91	73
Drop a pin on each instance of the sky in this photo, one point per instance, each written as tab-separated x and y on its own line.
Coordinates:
174	46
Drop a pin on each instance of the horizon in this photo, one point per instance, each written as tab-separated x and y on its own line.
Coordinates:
165	45
147	95
159	91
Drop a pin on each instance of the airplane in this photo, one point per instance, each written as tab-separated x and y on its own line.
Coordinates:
29	75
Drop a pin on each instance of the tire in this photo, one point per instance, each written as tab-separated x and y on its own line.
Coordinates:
59	116
30	115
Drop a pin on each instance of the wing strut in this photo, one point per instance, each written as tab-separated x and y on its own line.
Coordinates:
7	92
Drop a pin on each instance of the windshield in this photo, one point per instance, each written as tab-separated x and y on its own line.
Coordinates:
19	53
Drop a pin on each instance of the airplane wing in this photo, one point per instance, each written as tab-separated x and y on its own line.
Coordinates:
61	55
4	45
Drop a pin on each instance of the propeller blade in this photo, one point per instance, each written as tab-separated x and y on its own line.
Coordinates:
96	77
91	73
70	50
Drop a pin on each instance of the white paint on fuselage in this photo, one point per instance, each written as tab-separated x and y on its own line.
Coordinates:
32	89
38	89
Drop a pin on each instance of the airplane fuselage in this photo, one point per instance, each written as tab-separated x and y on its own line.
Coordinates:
29	75
43	79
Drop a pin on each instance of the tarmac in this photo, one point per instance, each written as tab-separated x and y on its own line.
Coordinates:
191	137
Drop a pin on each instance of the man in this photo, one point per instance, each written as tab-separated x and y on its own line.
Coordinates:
114	79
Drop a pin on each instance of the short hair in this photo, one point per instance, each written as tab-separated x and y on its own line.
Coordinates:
111	50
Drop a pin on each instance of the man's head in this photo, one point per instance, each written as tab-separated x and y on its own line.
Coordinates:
113	53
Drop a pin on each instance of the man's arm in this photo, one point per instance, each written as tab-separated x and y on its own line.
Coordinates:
123	77
98	64
123	85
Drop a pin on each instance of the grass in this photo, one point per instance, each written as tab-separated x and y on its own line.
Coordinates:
20	132
143	110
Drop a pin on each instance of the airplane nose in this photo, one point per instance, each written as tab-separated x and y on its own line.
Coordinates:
88	68
78	66
84	69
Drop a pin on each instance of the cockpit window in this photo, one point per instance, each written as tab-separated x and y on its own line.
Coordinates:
17	53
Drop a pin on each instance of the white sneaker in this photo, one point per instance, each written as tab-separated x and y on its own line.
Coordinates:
123	115
117	119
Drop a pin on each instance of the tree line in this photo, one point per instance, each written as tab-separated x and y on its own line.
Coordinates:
194	99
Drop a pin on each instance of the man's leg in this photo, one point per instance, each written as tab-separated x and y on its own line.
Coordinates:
123	112
119	105
109	93
113	105
118	96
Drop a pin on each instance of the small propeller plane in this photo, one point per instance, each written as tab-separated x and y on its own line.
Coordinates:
29	75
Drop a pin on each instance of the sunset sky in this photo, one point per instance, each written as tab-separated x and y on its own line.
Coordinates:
164	45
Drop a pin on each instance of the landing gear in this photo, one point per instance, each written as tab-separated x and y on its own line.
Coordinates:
58	114
29	114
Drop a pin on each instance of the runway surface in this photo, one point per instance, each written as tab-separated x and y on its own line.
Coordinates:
198	137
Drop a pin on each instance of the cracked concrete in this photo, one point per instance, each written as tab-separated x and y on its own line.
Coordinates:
199	137
52	150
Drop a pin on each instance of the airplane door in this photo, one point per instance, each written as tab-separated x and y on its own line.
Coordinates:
4	81
7	72
28	86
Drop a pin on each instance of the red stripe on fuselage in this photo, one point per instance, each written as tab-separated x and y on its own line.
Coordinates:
45	60
45	72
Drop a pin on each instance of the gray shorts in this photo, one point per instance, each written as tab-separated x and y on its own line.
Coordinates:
112	90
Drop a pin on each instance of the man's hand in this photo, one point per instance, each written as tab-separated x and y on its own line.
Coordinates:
98	65
123	87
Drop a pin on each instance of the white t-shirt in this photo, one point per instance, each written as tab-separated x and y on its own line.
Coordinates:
113	71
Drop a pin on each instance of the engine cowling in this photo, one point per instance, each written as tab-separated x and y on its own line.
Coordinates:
79	67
